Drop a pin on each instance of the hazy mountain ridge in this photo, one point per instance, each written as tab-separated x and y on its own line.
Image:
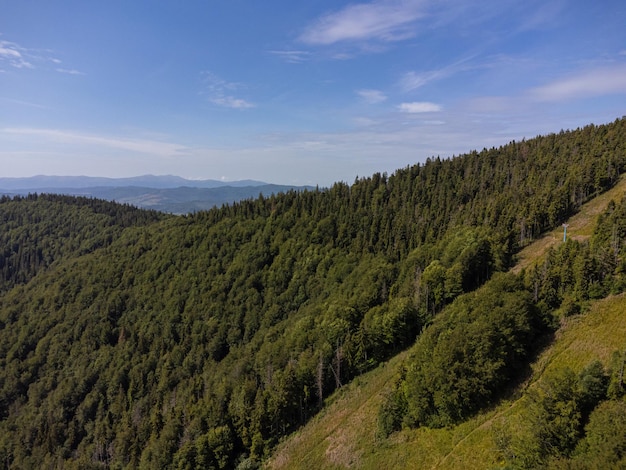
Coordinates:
163	193
45	182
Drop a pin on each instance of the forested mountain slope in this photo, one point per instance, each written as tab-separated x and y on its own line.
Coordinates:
567	411
37	230
198	341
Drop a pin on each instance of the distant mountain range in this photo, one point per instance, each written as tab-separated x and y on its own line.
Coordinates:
145	181
165	193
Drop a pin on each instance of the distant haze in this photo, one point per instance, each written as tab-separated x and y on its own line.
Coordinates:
146	181
163	193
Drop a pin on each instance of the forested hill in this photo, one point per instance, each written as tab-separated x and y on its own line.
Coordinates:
129	339
37	230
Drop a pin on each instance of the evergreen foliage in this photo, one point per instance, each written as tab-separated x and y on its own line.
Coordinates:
560	411
35	230
470	353
480	342
129	339
579	271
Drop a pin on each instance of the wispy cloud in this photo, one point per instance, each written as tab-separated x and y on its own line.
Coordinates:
220	92
13	55
145	146
383	20
589	83
419	107
70	71
23	103
413	80
545	14
19	57
372	96
232	102
294	57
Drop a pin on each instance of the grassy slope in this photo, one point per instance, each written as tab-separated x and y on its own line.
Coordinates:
343	435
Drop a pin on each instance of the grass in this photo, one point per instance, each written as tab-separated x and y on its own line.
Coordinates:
344	436
596	334
341	435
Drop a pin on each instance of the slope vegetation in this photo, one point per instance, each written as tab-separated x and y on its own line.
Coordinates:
199	341
346	434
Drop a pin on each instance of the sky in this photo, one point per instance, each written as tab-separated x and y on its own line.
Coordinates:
286	92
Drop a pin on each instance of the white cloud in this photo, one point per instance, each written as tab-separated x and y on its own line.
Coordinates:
20	57
150	147
232	102
414	80
12	54
9	53
596	82
385	20
70	71
372	96
396	20
294	57
219	92
419	107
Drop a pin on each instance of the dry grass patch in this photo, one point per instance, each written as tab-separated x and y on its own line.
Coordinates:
596	334
345	430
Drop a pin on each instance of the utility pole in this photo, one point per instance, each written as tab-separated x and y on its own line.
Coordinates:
565	232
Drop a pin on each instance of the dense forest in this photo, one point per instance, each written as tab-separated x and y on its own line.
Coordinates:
464	360
133	339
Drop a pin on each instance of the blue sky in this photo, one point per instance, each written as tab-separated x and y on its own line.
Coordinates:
295	92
